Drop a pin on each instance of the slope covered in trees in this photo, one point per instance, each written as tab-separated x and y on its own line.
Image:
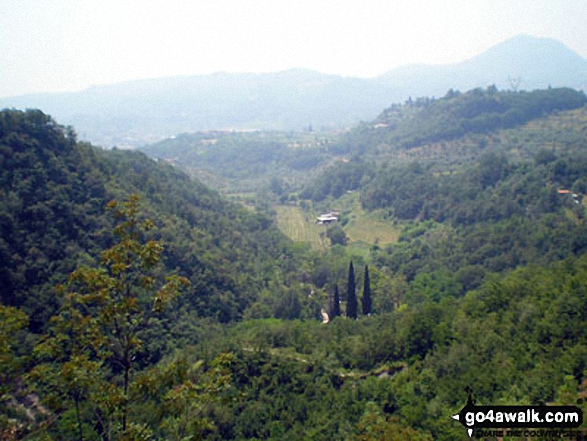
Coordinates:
518	339
483	202
241	162
84	288
426	120
52	217
485	288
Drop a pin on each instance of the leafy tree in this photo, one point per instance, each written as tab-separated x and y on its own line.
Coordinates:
339	178
491	169
336	235
351	309
276	186
366	301
98	335
544	156
433	286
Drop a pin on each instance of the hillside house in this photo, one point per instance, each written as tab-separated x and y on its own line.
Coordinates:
327	218
575	196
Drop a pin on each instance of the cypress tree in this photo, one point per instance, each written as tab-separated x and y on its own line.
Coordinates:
366	301
335	307
351	306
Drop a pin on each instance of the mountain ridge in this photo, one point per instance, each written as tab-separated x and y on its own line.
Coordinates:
139	112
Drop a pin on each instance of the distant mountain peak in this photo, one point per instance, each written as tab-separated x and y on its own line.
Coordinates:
527	47
137	112
531	41
537	62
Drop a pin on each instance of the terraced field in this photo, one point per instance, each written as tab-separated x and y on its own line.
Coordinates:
300	227
362	230
372	232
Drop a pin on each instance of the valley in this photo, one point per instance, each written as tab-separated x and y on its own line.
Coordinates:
182	307
293	221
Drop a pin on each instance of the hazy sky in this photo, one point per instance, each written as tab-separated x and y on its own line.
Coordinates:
62	45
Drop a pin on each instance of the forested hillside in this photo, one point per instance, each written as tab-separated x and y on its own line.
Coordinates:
137	304
54	193
247	161
517	339
58	223
483	202
427	120
489	208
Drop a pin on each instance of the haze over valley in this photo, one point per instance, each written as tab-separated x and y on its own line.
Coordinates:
297	221
138	112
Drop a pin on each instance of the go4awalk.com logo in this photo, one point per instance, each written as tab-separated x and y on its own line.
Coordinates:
518	418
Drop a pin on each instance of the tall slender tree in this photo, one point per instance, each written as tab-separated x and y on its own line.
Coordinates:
335	306
366	300
351	306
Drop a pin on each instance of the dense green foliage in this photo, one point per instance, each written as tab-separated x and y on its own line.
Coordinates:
246	161
52	217
490	209
339	178
96	341
519	339
179	315
492	216
456	114
334	304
